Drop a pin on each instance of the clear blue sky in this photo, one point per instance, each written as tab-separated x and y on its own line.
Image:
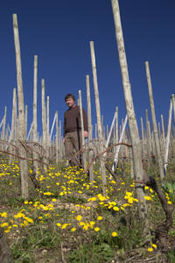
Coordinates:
59	33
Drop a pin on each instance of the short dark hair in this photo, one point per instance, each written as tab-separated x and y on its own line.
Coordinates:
69	95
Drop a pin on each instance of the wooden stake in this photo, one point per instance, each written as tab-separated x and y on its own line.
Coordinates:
97	104
57	147
44	128
138	168
26	121
168	136
21	123
157	146
89	127
82	129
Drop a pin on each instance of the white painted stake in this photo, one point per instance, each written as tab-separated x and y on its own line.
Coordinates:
82	129
57	149
118	147
98	113
110	132
30	131
89	126
154	122
53	125
168	136
135	140
21	120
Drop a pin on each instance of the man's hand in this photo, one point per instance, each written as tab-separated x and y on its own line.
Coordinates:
63	140
86	134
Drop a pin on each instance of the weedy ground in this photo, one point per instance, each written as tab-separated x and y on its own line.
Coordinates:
69	219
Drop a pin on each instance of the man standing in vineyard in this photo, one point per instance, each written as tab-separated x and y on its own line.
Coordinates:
72	131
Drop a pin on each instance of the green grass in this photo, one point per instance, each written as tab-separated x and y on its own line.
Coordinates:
42	229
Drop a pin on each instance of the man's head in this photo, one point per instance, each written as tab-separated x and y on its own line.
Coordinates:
70	100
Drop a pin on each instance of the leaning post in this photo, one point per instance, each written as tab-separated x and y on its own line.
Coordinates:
148	75
98	114
135	140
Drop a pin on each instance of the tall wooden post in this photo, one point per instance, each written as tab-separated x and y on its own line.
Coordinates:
26	113
21	123
119	146
154	120
138	168
168	136
143	137
116	126
82	130
89	126
48	124
14	117
4	124
35	125
44	128
61	148
148	135
98	114
57	137
163	133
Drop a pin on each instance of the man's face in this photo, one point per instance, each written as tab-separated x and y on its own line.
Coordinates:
70	102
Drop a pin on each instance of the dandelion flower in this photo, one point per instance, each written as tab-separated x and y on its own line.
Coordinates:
99	218
114	234
79	217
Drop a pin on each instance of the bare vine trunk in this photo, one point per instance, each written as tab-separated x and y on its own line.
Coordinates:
5	253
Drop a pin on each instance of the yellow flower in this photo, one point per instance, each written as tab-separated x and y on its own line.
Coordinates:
147	197
30	220
154	245
79	217
7	230
53	200
48	193
4	214
115	208
58	224
114	234
150	249
64	226
73	229
92	223
19	215
99	218
4	224
97	229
